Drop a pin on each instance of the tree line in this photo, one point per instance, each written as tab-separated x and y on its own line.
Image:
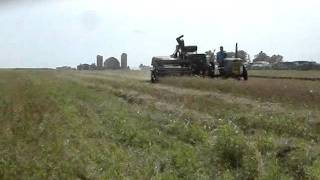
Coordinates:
261	56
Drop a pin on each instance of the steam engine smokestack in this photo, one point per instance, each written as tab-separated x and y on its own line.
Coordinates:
236	50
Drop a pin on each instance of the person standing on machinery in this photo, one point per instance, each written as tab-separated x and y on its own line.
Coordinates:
221	55
180	47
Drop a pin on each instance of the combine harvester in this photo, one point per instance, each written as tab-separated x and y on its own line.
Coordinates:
186	61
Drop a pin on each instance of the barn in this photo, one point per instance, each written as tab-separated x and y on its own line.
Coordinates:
112	63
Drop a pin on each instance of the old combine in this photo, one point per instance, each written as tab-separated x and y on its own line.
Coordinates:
186	61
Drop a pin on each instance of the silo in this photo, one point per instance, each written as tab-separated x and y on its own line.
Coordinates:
124	64
99	62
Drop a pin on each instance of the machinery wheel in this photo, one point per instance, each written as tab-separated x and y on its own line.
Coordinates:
211	70
245	73
154	78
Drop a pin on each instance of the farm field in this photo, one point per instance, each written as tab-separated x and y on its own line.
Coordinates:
117	125
287	73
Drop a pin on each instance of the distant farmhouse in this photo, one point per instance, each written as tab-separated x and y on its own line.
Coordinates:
284	66
305	65
260	65
263	61
92	66
83	67
64	68
144	67
297	65
111	63
294	65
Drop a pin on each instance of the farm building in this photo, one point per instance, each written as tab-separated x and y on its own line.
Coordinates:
93	67
112	63
284	65
64	68
83	67
301	63
306	65
260	65
297	65
144	67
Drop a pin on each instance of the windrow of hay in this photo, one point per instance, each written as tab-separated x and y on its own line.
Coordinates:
296	92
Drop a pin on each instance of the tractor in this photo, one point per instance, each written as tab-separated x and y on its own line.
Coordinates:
233	67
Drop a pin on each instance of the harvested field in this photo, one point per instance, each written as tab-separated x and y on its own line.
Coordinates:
117	125
313	75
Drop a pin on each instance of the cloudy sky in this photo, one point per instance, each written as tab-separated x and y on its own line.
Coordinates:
39	33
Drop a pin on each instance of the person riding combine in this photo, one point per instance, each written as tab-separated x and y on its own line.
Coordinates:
221	55
179	47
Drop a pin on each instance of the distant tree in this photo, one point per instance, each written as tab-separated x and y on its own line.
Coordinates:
276	59
231	54
261	57
241	54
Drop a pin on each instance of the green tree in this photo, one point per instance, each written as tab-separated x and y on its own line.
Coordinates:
276	59
231	54
262	56
241	54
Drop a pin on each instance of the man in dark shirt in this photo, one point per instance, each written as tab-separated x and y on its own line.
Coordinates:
221	55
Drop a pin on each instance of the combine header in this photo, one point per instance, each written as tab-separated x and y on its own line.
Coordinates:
186	61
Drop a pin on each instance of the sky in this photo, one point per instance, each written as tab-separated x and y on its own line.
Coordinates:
51	33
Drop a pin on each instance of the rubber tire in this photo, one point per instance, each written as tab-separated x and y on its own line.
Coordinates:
211	70
154	78
245	73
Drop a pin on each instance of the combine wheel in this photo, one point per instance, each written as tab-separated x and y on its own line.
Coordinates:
211	71
154	77
245	73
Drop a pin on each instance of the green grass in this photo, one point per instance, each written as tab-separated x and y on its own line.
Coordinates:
117	125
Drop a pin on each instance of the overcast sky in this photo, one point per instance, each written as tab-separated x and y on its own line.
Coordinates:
61	32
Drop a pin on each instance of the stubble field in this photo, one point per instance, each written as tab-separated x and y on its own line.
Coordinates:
117	125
